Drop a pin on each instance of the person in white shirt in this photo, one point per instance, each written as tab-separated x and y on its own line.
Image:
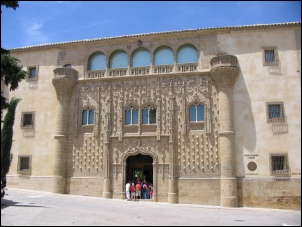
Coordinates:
128	190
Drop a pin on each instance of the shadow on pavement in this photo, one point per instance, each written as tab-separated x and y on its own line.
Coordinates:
7	203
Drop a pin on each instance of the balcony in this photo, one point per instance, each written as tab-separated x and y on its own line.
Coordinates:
224	60
142	71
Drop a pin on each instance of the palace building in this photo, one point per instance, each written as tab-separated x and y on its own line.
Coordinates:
209	116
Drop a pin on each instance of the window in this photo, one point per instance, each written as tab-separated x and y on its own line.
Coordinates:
24	164
27	120
275	112
131	116
88	117
67	66
196	113
149	115
140	57
163	56
32	73
97	61
270	56
187	53
119	59
279	164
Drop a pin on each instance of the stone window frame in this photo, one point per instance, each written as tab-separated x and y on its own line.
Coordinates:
149	106
195	102
88	108
285	171
28	71
276	57
282	112
131	107
20	170
32	125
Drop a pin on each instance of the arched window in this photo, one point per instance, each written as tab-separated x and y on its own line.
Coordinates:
140	57
97	61
163	56
187	54
149	115
131	116
88	117
119	59
196	113
67	66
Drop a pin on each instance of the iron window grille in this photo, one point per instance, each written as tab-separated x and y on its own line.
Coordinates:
28	120
270	56
275	112
279	165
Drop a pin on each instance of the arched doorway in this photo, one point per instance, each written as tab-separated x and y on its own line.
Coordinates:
139	166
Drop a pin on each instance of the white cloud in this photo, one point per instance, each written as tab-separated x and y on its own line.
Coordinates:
34	35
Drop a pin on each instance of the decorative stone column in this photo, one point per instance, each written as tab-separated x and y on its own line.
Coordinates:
64	81
225	72
107	182
172	196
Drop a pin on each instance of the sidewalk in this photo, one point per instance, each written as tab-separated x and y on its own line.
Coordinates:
35	208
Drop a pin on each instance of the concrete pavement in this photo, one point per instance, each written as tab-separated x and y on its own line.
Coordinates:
36	208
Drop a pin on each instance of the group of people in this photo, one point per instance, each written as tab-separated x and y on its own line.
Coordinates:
138	190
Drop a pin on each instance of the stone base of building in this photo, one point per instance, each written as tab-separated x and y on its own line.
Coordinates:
252	192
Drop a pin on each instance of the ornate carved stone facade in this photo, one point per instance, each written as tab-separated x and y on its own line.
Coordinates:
153	113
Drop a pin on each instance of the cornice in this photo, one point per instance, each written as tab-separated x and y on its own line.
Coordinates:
200	31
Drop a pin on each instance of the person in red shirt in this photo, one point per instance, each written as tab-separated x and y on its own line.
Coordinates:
138	190
132	190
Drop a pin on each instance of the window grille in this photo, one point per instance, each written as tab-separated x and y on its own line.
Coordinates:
275	112
270	56
24	164
28	119
32	73
279	165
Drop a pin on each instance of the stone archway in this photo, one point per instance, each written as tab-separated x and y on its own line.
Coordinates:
138	149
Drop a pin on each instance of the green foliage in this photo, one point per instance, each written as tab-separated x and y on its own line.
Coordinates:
11	70
6	141
10	4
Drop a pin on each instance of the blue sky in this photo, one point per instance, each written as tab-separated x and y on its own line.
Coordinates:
34	23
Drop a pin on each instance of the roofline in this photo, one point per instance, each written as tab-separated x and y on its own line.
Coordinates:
159	33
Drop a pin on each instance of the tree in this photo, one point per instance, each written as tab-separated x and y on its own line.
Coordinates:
11	75
6	141
11	70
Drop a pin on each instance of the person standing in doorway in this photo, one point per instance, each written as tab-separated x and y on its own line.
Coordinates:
138	190
132	190
128	190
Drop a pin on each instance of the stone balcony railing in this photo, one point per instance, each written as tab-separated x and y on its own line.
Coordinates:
141	71
163	69
187	67
65	73
137	71
117	72
224	60
92	74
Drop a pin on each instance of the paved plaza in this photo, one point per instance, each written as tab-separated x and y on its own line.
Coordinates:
36	208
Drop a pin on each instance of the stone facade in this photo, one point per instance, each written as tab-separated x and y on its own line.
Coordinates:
225	159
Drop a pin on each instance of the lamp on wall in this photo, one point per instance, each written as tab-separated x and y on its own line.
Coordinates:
139	43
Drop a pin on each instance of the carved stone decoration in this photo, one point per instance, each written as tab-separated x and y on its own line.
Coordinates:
225	77
142	149
86	159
